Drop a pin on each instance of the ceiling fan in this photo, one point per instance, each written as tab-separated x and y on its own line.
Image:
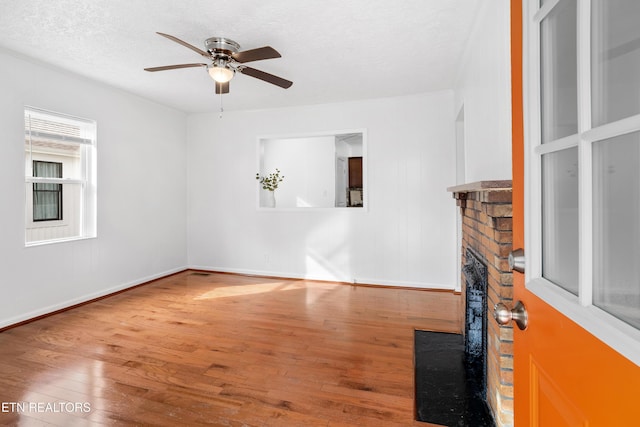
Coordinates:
227	59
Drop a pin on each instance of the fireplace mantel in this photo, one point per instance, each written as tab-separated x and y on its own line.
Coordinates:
479	186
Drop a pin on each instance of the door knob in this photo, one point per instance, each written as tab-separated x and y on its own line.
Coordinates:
518	314
516	260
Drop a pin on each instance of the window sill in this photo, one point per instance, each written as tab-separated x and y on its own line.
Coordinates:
54	241
314	209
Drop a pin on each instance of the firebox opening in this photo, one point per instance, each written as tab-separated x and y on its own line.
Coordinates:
475	331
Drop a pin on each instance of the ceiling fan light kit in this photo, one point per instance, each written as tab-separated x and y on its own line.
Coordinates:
226	58
221	72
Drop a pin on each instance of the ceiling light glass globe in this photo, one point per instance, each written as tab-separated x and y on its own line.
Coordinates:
221	74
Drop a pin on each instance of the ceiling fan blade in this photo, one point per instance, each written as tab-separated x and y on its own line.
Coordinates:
222	87
174	67
266	52
185	44
269	78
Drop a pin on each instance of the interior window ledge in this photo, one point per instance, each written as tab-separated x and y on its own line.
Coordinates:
53	241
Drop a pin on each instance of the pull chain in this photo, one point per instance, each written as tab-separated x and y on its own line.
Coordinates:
221	109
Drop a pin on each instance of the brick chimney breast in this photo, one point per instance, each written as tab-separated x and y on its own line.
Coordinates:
486	211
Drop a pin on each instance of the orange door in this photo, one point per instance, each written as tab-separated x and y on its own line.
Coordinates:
563	375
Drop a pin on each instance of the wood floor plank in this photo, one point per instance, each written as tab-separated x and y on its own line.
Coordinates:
225	350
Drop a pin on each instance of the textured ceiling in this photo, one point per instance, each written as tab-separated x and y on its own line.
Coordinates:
333	50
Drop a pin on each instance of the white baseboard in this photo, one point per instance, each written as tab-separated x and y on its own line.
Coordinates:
265	273
405	284
75	301
361	280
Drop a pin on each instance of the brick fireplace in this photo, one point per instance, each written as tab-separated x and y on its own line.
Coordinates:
486	212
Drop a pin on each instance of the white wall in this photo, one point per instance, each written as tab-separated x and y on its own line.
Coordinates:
405	237
484	88
141	193
308	167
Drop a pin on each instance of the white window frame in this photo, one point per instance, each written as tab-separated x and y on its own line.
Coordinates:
87	216
614	332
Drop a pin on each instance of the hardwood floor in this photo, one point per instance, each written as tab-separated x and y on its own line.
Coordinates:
220	349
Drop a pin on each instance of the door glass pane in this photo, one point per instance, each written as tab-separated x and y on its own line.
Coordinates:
560	218
558	72
616	218
615	60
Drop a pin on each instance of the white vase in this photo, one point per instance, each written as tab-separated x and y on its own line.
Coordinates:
270	199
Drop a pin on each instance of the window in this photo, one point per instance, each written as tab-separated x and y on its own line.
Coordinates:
583	183
47	198
60	177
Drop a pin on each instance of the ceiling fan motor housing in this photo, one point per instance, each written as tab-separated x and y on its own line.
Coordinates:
217	45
